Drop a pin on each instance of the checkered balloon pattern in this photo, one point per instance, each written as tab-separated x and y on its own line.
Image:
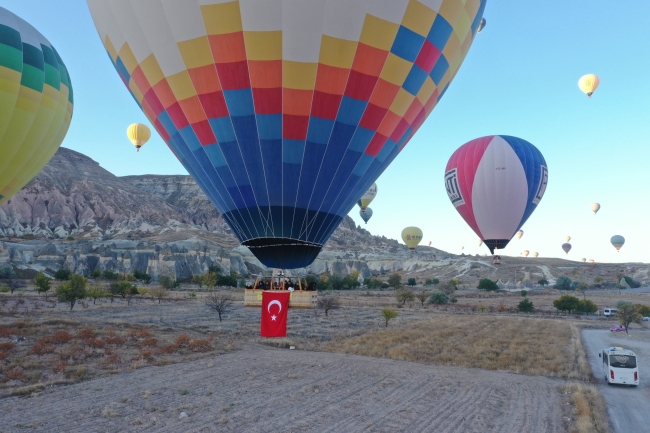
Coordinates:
286	111
35	103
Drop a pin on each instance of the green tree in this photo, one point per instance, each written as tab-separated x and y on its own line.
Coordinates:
388	314
72	290
566	303
372	283
395	281
42	283
411	282
404	295
198	280
168	282
543	282
628	314
582	288
644	310
523	293
109	275
598	281
62	274
123	289
423	296
141	276
432	282
96	273
438	297
563	283
526	306
487	285
587	307
632	283
227	280
328	303
209	279
97	291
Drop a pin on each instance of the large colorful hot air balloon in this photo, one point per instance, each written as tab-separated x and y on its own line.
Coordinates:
365	215
617	241
138	134
286	112
588	84
566	247
595	207
495	183
368	197
412	237
520	233
36	103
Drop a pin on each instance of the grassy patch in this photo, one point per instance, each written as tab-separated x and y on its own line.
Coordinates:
589	409
521	345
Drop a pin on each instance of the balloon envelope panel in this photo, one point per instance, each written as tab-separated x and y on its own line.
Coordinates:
285	112
495	183
36	103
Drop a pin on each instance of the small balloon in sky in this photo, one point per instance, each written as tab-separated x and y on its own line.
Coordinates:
412	237
595	207
566	247
617	241
567	239
589	83
525	253
365	215
591	261
138	134
368	197
482	25
535	254
583	260
520	233
480	242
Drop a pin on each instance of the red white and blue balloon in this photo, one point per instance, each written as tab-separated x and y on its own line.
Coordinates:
495	183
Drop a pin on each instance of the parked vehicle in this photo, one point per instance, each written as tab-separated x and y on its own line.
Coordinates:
617	328
646	319
620	366
609	312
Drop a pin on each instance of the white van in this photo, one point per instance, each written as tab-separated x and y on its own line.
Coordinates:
609	312
620	366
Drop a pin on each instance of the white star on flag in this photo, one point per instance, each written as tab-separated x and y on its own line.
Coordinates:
274	317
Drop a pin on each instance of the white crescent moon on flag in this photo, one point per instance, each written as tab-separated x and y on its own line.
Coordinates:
268	307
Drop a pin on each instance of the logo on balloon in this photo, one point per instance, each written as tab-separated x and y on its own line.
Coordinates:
541	189
451	182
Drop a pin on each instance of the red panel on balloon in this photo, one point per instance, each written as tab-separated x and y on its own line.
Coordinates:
325	105
204	133
267	101
214	104
372	117
233	76
376	144
294	127
178	117
360	86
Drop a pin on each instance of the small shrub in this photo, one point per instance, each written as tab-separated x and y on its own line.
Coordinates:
543	282
149	342
526	306
4	289
62	274
6	347
487	285
137	334
41	348
183	340
95	343
183	392
198	345
388	314
438	297
563	283
404	295
113	338
14	374
110	275
523	293
85	334
69	238
96	273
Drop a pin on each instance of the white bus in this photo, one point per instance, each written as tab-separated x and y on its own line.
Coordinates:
609	312
620	366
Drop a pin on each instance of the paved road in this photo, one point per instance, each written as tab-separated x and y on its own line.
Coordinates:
628	407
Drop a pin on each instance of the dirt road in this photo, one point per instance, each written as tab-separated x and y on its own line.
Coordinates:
262	389
627	406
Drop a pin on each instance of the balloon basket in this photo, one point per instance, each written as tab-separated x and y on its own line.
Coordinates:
298	299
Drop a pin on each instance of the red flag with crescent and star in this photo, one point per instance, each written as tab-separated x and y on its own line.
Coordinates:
274	314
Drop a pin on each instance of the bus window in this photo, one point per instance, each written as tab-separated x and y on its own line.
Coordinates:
622	361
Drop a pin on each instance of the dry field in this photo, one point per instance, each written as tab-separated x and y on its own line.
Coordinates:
442	344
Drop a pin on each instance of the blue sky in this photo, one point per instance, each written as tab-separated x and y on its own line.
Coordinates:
520	78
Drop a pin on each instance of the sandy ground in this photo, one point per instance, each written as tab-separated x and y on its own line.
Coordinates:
262	389
627	407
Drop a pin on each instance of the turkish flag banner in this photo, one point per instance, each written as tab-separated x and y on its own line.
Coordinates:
274	314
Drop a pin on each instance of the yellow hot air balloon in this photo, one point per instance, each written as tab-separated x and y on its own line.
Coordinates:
520	233
535	254
139	134
589	83
368	197
36	103
567	239
412	237
595	207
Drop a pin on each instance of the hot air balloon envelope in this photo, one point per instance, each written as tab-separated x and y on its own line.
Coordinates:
617	241
595	207
482	25
566	247
366	215
412	237
368	196
495	183
567	239
535	255
138	134
520	233
589	83
526	252
36	103
286	112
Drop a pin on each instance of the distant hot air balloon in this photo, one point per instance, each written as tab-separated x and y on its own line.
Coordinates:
495	183
366	215
36	103
429	243
526	252
566	247
480	242
589	83
567	239
412	237
368	197
286	112
139	134
591	261
595	207
520	233
583	260
617	241
535	255
481	26
462	248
